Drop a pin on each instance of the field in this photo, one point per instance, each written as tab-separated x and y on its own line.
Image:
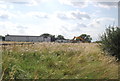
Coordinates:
57	61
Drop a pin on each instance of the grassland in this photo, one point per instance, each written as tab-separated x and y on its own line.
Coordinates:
57	61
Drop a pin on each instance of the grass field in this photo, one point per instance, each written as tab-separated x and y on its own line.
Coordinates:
57	61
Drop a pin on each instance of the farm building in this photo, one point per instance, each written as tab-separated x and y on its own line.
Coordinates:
22	38
2	38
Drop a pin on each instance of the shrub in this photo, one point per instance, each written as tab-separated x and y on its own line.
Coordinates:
97	42
111	41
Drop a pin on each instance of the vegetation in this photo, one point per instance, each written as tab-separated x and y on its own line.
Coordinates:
86	37
111	41
97	42
60	37
53	38
57	61
45	35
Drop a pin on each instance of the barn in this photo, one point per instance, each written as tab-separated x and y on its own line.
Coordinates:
2	38
23	38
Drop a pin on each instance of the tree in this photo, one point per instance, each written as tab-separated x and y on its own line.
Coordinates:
60	37
45	35
86	37
111	41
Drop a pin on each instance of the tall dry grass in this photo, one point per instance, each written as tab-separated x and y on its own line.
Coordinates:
58	61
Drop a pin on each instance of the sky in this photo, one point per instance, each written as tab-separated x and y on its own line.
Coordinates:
57	17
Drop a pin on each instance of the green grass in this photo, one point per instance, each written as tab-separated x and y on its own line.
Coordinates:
58	61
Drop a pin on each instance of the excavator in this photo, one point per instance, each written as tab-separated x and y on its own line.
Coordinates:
77	39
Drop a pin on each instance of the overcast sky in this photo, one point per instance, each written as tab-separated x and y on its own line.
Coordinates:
66	17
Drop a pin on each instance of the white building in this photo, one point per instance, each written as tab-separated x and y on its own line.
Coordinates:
20	38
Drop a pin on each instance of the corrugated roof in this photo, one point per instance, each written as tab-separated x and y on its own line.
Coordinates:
22	36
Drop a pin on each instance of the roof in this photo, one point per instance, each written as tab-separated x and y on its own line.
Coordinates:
22	36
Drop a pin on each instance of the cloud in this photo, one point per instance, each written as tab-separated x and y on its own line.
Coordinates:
25	2
82	25
106	19
73	28
85	3
74	3
80	15
97	26
100	24
96	23
17	1
37	15
63	16
94	28
21	29
73	15
6	15
7	27
107	5
2	6
102	0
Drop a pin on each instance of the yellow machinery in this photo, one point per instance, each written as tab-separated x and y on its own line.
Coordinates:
77	39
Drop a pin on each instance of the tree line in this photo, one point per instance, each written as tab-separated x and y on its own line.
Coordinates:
87	38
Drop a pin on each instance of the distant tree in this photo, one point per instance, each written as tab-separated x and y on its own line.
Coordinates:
59	37
45	35
86	37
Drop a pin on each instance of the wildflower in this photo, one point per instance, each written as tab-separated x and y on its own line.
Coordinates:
36	50
27	50
38	61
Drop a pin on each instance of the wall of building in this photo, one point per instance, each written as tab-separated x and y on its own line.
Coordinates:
2	38
27	38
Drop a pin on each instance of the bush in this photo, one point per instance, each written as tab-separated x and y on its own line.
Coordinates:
97	42
111	41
